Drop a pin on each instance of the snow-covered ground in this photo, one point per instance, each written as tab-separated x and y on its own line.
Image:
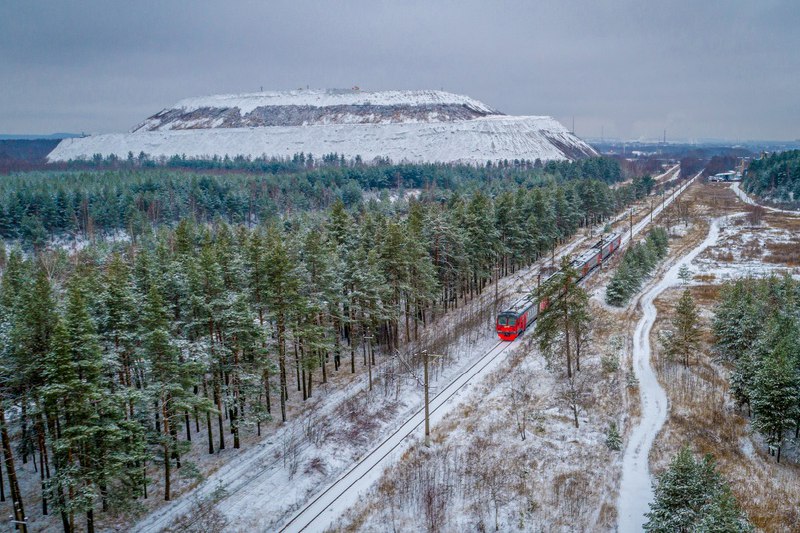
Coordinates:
670	174
330	504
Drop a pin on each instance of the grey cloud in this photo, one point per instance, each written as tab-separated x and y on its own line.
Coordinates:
701	69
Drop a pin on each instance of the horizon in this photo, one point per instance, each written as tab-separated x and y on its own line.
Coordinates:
621	69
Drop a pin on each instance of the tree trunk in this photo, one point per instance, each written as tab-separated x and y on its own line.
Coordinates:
209	428
352	346
323	356
297	366
235	411
42	461
266	390
218	401
167	439
569	354
16	496
282	365
2	487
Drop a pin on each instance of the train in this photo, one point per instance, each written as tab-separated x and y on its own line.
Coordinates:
512	322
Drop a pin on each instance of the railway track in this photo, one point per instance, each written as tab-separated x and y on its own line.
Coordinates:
332	500
239	481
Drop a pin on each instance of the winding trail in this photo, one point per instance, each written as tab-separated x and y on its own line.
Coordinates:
253	477
636	491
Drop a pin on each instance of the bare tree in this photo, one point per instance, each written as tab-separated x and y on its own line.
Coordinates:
523	403
574	392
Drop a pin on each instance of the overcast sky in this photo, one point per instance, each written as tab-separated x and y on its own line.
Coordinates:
697	68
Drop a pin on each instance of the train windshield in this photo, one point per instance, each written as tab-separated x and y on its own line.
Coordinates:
505	320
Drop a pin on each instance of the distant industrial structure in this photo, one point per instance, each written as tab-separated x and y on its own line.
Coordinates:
730	175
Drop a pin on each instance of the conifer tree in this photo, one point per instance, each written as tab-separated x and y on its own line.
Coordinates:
775	393
283	298
566	312
685	337
692	496
93	445
170	380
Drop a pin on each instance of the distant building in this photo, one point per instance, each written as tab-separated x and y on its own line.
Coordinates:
730	175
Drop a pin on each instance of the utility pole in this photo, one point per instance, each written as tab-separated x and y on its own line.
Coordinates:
427	410
631	225
425	358
369	358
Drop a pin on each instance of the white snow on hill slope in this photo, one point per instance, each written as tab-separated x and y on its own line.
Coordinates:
311	107
412	126
332	97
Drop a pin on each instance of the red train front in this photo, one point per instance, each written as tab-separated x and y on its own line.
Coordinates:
516	319
512	322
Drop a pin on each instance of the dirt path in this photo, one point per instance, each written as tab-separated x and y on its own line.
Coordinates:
636	491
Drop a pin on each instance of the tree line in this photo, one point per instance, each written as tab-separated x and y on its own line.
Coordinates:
637	263
757	325
36	206
115	357
776	176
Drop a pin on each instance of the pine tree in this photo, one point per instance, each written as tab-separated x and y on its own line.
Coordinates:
566	313
92	443
692	496
170	380
283	299
613	438
685	337
684	274
775	394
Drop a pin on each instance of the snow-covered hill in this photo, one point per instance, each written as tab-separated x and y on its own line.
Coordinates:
413	126
310	107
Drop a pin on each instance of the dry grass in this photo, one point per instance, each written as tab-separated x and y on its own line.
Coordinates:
702	415
724	256
706	295
784	253
752	249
